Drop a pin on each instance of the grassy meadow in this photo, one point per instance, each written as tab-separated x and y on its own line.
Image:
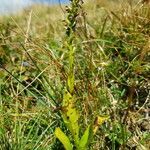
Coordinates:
79	74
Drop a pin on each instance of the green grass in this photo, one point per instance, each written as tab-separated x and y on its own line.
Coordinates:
112	65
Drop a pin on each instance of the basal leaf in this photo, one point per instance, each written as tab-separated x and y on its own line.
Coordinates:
63	138
99	121
70	82
84	139
70	115
102	119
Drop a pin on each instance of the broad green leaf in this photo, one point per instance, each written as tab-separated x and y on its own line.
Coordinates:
99	121
63	138
70	82
102	119
84	139
70	115
67	98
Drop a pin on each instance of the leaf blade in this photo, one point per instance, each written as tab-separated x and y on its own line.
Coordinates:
85	139
70	115
63	139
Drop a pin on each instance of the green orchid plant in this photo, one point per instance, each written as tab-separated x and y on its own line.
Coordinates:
69	112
